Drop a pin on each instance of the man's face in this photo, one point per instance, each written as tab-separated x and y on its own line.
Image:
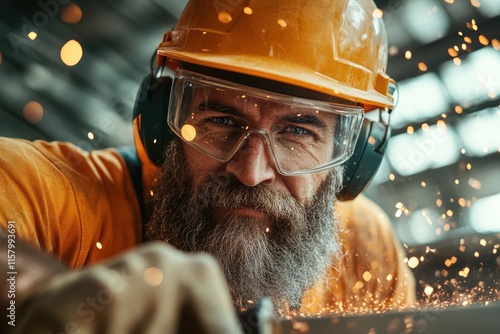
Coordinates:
253	163
273	235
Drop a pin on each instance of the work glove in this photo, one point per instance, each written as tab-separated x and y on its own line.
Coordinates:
152	289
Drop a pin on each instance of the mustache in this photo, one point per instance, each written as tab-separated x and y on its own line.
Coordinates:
220	190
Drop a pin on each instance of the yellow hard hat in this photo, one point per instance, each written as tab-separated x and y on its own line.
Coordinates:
337	47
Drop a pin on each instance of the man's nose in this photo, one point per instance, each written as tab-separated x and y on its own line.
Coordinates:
253	163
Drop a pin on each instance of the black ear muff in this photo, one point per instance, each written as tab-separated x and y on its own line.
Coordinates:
151	105
368	154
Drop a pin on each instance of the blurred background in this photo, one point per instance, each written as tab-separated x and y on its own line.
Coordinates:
70	71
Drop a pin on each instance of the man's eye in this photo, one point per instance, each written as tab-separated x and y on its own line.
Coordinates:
223	120
297	130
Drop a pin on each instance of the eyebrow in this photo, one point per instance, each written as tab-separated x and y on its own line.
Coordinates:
219	107
306	119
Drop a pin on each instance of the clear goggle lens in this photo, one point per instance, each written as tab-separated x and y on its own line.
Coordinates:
304	136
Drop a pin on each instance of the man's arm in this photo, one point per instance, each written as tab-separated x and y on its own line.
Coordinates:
25	268
79	206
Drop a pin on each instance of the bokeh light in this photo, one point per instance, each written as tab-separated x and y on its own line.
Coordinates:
32	35
153	276
71	53
33	112
71	13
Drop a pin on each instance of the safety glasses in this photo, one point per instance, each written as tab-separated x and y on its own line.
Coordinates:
303	136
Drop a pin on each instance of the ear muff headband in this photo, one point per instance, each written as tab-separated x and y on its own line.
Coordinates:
152	107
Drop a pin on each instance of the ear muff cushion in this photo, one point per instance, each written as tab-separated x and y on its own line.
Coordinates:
152	106
364	163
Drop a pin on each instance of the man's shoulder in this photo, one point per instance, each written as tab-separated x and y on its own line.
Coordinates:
59	156
55	173
362	213
21	151
19	156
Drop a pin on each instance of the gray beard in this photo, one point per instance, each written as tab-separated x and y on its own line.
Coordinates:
280	262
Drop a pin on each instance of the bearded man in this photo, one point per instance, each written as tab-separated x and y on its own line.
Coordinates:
231	194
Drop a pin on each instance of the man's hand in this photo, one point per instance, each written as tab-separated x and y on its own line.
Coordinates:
32	268
153	289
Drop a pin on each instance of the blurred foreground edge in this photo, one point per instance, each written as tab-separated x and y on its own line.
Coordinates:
471	319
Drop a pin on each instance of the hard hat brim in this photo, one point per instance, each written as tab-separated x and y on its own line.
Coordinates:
280	71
